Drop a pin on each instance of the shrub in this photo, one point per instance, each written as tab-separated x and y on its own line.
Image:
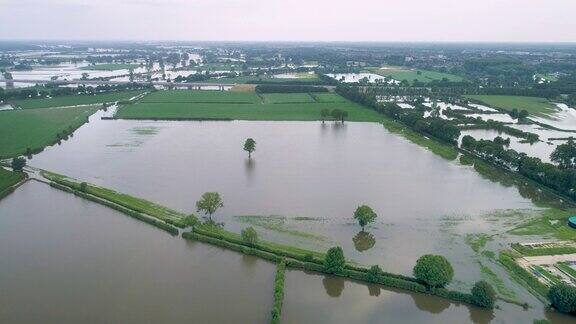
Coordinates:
483	294
434	270
190	220
334	261
83	186
374	273
563	298
249	236
18	164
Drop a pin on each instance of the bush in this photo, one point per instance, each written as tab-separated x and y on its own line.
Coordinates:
190	220
374	273
249	236
563	298
83	186
434	270
483	294
334	261
18	164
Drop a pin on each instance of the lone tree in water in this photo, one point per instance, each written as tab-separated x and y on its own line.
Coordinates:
434	270
18	164
364	215
209	203
250	146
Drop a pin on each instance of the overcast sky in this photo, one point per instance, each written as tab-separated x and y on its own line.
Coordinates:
291	20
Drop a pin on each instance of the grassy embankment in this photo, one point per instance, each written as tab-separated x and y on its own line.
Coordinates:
278	293
527	251
523	277
23	131
110	67
400	73
218	105
540	107
7	180
312	261
66	101
142	209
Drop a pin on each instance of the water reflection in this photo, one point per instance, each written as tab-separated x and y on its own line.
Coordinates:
363	241
425	303
374	290
480	315
249	167
334	286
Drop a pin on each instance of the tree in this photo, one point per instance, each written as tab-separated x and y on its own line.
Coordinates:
250	146
83	186
249	235
209	203
374	273
343	115
364	215
18	164
434	270
565	155
336	114
334	261
563	298
324	113
483	294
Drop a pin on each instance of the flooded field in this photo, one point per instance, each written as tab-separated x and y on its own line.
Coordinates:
67	260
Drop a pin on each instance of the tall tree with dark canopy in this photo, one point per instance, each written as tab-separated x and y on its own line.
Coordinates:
18	164
565	155
334	261
563	298
483	294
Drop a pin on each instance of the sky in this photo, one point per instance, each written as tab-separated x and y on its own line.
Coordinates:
291	20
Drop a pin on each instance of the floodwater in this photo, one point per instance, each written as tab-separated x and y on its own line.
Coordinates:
356	77
67	260
305	181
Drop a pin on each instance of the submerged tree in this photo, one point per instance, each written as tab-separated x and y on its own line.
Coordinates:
18	164
364	215
250	146
209	203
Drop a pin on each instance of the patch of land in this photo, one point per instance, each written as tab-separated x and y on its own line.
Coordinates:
400	73
534	105
551	223
110	67
8	179
65	101
36	128
225	105
277	224
281	98
327	97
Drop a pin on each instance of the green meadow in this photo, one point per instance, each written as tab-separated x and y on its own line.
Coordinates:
37	128
225	105
534	105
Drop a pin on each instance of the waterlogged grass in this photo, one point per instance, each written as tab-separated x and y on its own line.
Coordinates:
497	283
523	277
399	73
137	204
444	150
7	180
277	224
551	278
75	100
110	67
535	106
552	223
223	105
477	241
36	129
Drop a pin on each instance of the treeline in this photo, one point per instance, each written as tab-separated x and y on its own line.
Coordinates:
546	174
277	88
414	118
51	91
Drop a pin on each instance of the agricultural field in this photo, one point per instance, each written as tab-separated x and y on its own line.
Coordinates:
37	128
399	73
286	98
65	101
237	105
534	105
327	97
110	67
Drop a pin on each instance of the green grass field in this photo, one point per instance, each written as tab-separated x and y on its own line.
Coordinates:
285	98
535	106
400	73
327	97
64	101
110	67
187	104
37	128
8	179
